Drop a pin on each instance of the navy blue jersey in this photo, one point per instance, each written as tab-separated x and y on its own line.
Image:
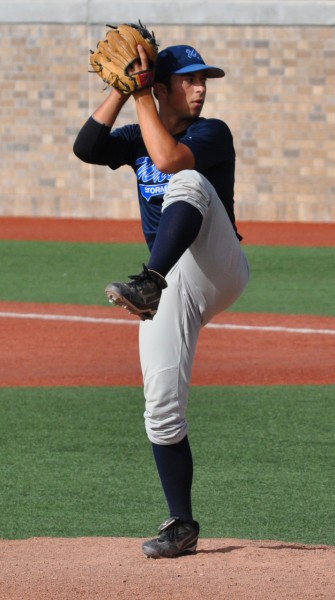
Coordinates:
210	140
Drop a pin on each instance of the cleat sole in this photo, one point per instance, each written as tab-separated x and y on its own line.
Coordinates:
118	300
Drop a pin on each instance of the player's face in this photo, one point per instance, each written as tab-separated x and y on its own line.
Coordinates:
188	93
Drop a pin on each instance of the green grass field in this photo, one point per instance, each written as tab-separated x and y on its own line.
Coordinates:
284	280
76	462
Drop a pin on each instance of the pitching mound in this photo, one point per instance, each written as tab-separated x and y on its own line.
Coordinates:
114	568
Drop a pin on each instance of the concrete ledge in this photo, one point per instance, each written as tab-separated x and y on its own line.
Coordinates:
213	12
44	11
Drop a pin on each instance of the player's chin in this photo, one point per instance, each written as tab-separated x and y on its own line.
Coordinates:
196	108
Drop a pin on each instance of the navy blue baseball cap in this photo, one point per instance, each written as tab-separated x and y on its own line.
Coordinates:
176	60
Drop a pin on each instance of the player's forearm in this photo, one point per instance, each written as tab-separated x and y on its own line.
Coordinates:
168	155
109	110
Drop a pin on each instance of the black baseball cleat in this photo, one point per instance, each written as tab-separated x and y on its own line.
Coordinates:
175	538
141	295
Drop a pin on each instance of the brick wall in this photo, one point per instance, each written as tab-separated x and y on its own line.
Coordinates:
278	97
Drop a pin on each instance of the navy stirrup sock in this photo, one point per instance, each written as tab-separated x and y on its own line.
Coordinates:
175	467
179	226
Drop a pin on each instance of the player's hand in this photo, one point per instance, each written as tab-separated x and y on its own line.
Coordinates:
141	65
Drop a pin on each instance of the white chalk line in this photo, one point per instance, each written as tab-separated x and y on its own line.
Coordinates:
71	318
111	321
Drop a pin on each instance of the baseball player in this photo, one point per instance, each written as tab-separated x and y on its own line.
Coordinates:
184	166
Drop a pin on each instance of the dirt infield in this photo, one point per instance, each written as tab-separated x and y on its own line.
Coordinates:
97	230
36	338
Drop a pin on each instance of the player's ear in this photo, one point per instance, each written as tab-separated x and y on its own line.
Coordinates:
160	90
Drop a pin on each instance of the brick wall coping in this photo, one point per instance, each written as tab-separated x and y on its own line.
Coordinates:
174	12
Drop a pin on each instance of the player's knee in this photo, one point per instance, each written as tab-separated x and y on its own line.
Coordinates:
160	432
187	177
188	186
165	408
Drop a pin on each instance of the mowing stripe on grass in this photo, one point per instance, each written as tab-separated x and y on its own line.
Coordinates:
110	321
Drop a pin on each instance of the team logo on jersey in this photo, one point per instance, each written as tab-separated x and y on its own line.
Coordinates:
152	182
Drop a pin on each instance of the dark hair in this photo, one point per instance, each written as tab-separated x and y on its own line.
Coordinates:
166	79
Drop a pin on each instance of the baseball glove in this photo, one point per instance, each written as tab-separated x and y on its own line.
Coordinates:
115	57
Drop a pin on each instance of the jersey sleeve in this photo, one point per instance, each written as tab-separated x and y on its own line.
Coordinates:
211	142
